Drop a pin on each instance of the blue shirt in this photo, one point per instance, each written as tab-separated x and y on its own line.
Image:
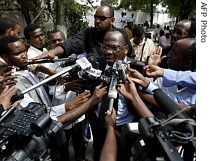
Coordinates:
182	78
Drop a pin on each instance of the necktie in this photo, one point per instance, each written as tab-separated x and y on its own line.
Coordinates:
41	90
103	109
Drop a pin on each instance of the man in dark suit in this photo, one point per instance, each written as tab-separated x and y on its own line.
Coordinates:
115	47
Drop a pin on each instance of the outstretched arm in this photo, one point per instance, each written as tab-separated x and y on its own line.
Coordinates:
109	150
128	90
75	113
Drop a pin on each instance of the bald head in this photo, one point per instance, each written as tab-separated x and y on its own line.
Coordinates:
183	55
106	9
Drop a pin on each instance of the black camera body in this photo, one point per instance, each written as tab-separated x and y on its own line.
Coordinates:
149	141
29	134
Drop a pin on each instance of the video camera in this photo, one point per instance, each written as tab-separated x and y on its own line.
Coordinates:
148	140
28	134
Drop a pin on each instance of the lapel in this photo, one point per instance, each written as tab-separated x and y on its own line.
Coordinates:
33	79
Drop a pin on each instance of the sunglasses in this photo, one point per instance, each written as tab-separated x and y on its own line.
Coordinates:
55	40
101	18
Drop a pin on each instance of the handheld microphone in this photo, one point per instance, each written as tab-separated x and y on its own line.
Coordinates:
121	71
70	61
137	65
112	93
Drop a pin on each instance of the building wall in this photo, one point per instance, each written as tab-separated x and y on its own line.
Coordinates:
140	18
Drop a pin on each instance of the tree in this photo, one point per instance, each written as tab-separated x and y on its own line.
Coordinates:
60	13
182	9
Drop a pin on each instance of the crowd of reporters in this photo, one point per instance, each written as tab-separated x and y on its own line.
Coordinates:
68	99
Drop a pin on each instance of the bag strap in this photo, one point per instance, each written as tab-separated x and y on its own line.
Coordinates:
143	49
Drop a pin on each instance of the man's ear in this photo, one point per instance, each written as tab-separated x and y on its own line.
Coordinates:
112	20
10	31
127	48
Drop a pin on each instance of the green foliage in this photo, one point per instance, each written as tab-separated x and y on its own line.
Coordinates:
143	5
75	17
175	7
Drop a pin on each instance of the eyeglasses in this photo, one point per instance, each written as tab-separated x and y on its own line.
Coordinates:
55	40
113	48
101	18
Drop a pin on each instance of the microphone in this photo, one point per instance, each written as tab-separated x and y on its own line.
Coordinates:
167	104
82	64
112	93
138	65
70	59
121	71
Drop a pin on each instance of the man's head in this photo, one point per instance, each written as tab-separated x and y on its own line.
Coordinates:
56	37
9	27
34	36
13	51
138	34
104	18
183	29
130	23
115	45
183	55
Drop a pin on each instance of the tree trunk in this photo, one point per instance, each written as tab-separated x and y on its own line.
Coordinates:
60	16
185	10
151	13
25	11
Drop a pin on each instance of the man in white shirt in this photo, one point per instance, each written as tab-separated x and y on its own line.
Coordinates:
142	46
36	39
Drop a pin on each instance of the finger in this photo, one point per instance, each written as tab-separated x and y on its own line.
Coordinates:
129	79
163	57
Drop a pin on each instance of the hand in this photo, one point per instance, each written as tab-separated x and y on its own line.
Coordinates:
7	77
128	90
76	85
153	71
137	77
155	57
6	95
47	55
99	93
78	100
110	118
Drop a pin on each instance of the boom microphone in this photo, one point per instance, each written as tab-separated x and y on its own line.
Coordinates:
170	107
83	64
167	104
